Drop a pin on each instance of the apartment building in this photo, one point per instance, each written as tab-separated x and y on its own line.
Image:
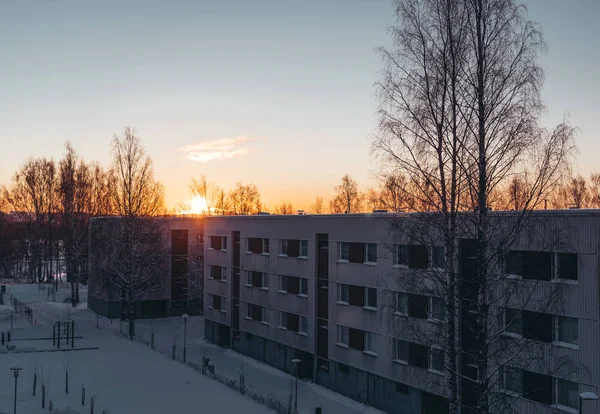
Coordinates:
177	291
329	290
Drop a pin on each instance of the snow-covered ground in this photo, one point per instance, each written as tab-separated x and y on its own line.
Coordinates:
116	353
125	376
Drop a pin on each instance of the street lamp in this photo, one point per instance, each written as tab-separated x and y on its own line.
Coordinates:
587	396
185	317
296	362
15	371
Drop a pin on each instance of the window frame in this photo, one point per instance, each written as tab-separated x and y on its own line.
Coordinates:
395	355
557	340
433	349
431	314
367	254
367	305
303	246
557	394
340	336
283	247
399	255
367	346
432	257
343	247
302	325
340	294
397	302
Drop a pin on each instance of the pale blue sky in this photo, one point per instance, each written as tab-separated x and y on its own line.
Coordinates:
296	76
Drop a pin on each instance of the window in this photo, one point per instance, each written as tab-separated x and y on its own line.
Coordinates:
512	379
256	313
344	253
303	286
513	322
283	283
257	279
283	320
343	335
437	359
532	265
418	257
371	253
303	248
357	296
537	387
254	245
356	339
437	309
400	350
218	242
566	266
418	306
217	273
371	298
343	293
265	246
400	255
401	303
537	326
303	328
438	257
566	329
370	342
418	355
567	393
283	247
217	302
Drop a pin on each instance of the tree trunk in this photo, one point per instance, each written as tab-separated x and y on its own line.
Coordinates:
131	308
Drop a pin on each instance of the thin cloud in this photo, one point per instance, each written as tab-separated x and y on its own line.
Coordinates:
217	149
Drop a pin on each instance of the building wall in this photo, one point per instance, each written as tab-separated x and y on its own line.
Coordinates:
565	231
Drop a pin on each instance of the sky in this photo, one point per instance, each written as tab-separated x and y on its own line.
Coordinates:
278	93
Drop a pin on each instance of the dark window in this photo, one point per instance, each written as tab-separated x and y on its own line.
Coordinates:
215	242
439	256
567	266
401	388
357	253
418	306
293	322
257	279
357	295
418	257
293	285
217	302
513	321
356	339
514	262
537	265
255	245
293	248
418	355
215	272
537	326
343	368
371	297
537	387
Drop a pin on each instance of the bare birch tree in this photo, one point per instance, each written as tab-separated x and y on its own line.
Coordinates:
347	199
460	103
284	208
317	207
244	199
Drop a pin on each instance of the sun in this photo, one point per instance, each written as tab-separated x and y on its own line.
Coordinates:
197	205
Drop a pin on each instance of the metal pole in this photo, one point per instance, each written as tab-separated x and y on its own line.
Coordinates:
296	397
184	338
16	376
579	410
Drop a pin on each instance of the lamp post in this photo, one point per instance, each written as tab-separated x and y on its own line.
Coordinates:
184	316
586	396
15	371
296	362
